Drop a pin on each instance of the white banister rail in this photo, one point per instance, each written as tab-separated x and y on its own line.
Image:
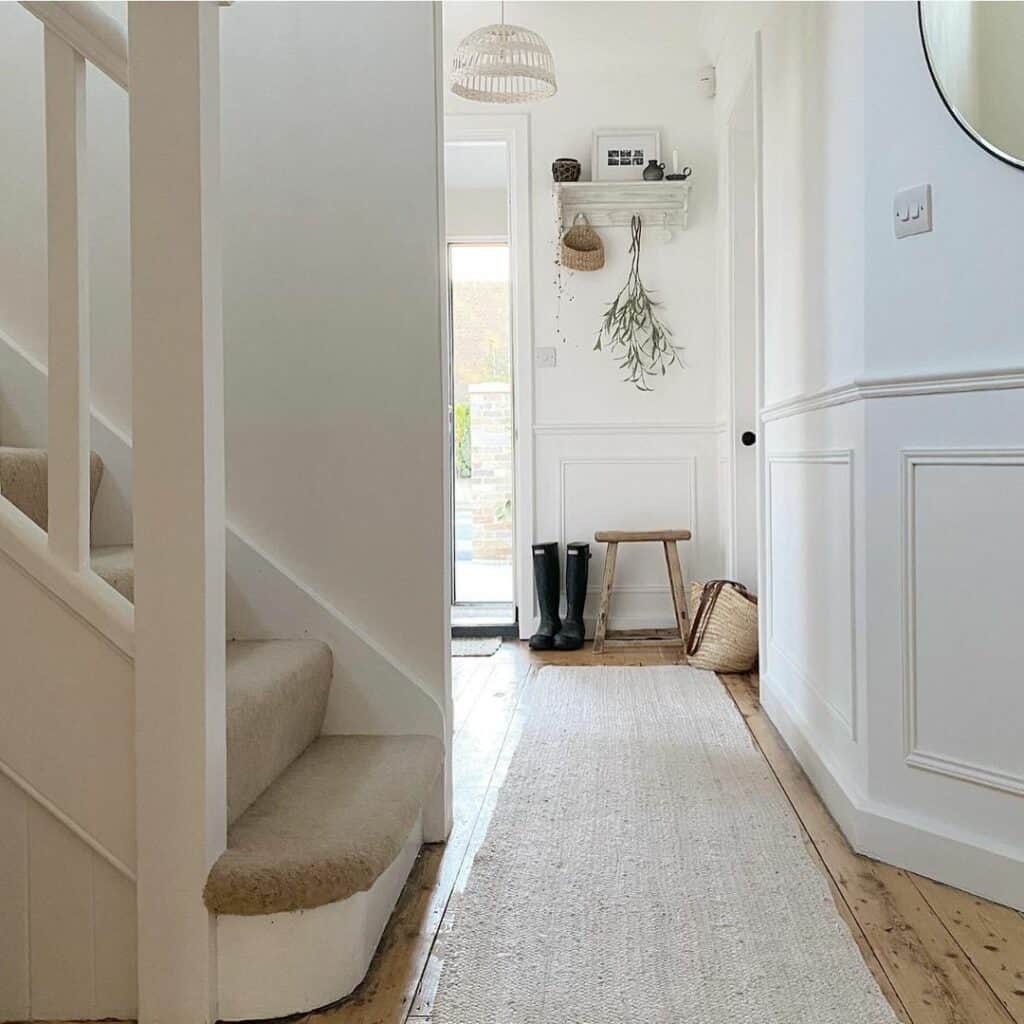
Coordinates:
68	291
90	31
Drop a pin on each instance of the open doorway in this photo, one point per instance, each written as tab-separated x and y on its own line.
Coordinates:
490	355
480	360
483	494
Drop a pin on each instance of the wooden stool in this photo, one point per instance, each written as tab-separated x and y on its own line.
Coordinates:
603	636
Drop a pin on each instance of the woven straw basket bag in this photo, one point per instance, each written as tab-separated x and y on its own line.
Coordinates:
723	627
582	248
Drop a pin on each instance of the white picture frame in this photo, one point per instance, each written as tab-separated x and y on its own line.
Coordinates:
639	145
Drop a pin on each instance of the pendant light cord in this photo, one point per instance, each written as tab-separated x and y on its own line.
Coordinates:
501	11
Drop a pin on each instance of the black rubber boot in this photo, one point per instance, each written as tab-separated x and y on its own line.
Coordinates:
577	559
545	578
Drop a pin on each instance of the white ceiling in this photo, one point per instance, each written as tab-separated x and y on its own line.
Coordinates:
475	165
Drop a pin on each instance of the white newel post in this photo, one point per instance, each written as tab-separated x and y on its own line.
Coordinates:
68	291
178	402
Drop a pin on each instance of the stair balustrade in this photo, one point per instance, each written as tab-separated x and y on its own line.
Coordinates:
168	60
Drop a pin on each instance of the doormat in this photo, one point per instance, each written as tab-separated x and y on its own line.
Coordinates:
475	646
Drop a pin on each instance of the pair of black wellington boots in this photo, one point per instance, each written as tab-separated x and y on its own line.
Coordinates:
554	634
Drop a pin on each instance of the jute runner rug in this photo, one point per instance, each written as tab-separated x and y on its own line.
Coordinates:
643	865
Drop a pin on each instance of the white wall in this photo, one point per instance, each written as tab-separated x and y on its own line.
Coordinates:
947	301
332	309
607	455
889	499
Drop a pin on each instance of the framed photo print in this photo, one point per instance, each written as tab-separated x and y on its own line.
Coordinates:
621	154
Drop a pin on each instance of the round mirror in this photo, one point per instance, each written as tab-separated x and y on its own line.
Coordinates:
975	52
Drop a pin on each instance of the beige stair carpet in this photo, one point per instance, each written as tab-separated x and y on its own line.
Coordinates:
328	827
24	481
643	866
116	566
277	694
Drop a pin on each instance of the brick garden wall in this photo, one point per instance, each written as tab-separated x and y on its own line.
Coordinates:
491	458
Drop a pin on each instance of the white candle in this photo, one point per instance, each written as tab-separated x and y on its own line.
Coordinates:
675	161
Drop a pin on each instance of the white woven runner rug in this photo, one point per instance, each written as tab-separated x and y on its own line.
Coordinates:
643	867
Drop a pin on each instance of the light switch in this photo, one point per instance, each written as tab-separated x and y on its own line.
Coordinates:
912	211
545	357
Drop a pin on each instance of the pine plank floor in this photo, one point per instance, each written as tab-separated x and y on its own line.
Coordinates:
941	956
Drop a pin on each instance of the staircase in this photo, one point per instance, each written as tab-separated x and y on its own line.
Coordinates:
257	866
314	822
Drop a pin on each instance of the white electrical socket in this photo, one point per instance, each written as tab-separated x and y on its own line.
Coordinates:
912	211
545	357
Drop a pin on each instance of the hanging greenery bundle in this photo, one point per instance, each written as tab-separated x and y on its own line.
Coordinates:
633	331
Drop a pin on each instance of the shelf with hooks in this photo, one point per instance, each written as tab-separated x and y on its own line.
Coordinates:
663	205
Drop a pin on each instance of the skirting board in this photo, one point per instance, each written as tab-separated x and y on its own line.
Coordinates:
274	965
878	831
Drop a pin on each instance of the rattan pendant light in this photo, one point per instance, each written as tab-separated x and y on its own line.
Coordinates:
503	64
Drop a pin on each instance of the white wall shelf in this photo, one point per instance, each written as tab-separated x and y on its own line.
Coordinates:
663	205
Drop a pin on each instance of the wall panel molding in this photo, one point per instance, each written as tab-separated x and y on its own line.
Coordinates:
862	389
566	461
847	722
915	755
621	429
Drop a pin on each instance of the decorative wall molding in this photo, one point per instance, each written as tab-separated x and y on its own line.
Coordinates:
68	822
690	461
861	389
914	755
621	429
840	457
887	833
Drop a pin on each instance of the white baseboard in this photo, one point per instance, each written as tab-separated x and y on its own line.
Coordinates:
892	835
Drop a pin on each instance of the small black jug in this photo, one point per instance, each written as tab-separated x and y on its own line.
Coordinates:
654	171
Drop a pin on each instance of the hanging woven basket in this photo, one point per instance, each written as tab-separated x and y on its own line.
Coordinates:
582	248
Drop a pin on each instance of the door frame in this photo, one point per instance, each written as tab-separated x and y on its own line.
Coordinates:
740	146
753	77
514	131
759	346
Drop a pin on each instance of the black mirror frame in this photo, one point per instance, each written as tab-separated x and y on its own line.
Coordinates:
1006	158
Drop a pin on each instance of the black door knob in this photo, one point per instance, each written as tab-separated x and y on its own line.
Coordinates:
748	437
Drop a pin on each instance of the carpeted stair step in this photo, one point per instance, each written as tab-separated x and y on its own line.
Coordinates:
276	700
23	481
328	827
116	565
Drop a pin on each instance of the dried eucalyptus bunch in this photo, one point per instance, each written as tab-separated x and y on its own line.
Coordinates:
632	330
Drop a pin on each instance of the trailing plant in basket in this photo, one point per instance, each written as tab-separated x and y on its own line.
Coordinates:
632	330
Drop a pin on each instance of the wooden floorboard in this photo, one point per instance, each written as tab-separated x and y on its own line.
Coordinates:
940	956
930	976
386	994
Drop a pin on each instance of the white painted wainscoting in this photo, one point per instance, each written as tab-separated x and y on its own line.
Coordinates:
67	800
895	555
632	476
